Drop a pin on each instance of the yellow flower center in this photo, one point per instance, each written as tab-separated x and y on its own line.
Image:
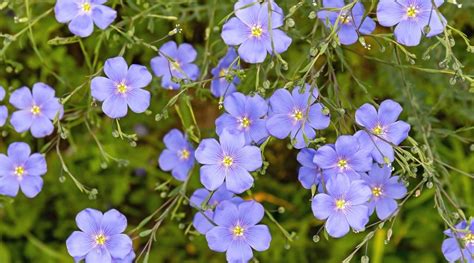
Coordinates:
346	19
222	73
122	88
238	231
86	7
244	122
341	204
35	110
297	115
175	65
469	238
256	31
377	130
227	161
412	11
19	171
100	239
342	163
377	191
185	154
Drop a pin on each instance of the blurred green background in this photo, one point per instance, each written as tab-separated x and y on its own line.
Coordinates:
439	107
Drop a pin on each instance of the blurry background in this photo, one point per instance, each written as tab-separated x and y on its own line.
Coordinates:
437	105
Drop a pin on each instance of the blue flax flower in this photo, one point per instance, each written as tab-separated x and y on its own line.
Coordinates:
230	160
309	173
411	19
253	34
460	244
351	22
222	84
83	14
381	129
178	157
344	205
3	109
36	110
237	231
244	116
21	170
198	200
123	88
100	238
385	189
175	62
296	114
346	157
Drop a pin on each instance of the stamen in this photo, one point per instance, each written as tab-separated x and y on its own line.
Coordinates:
35	110
377	191
184	154
297	115
227	161
100	239
19	171
244	122
377	130
341	204
412	11
342	163
238	231
256	31
122	88
86	7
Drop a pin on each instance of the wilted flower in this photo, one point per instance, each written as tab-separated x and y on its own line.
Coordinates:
83	14
36	111
21	169
381	129
178	157
123	88
347	157
198	199
230	160
296	114
385	189
3	109
411	19
100	238
460	244
351	22
244	116
251	31
309	173
237	231
223	85
175	62
343	205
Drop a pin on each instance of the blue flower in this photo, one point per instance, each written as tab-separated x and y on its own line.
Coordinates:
3	109
410	18
350	23
385	190
244	116
175	62
36	110
237	231
296	114
253	34
460	244
221	85
21	170
83	14
228	160
346	157
381	129
178	157
198	199
343	205
309	173
123	88
100	238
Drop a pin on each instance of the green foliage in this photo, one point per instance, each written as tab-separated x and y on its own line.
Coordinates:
96	162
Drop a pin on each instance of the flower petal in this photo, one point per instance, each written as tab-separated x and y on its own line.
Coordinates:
451	249
226	214
65	10
279	125
41	126
116	69
247	11
186	53
21	98
201	223
389	13
337	225
89	220
31	185
408	33
115	106
235	104
322	206
317	119
398	132
212	176
99	255
168	160
113	222
249	158
250	213
238	180
359	193
338	185
138	100
36	165
281	41
19	152
103	16
119	245
389	111
42	93
102	88
82	25
6	165
258	237
347	34
325	157
138	76
239	251
385	207
253	50
357	216
219	239
281	102
79	244
366	116
9	185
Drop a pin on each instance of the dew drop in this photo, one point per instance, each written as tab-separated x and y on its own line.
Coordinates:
316	238
429	185
62	179
281	210
364	259
287	246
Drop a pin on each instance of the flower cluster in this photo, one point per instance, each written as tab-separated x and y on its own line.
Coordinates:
20	169
411	18
224	83
100	238
352	183
460	244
